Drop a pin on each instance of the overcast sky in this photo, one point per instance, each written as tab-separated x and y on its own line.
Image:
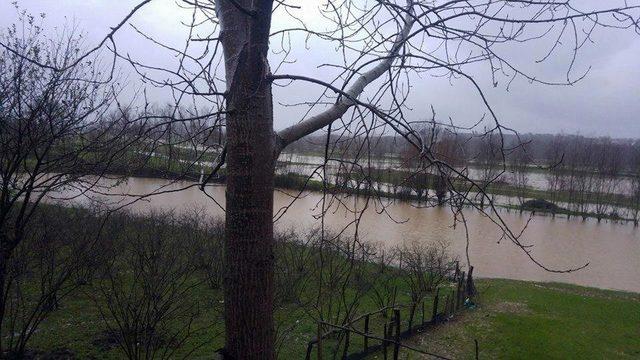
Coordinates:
607	102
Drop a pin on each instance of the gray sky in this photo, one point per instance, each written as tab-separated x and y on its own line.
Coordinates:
607	102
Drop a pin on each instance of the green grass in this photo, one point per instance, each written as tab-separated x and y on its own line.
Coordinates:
525	320
78	326
514	320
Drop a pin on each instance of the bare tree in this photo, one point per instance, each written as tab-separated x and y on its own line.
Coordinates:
448	147
489	158
382	46
608	166
146	295
52	133
519	173
54	259
384	288
425	268
555	175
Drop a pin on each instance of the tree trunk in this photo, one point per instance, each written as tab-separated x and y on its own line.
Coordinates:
249	232
249	259
441	189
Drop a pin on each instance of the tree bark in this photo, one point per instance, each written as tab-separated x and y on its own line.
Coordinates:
248	283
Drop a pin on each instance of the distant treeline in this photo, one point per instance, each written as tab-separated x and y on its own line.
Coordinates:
541	149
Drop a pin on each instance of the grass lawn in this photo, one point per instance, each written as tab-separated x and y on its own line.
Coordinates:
514	320
525	320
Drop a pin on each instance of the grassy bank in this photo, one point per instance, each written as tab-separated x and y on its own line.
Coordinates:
514	320
139	265
525	320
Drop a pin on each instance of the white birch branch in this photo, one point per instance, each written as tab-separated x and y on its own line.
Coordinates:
337	110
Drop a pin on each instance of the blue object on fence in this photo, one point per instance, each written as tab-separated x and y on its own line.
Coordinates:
469	304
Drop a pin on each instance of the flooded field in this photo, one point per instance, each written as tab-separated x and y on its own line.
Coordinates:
611	249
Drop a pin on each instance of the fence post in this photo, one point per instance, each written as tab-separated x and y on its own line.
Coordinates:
384	341
422	322
453	304
460	293
477	350
434	315
346	344
319	341
447	303
471	291
445	306
396	348
366	333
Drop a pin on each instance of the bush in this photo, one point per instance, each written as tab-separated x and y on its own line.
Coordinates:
540	204
148	297
54	259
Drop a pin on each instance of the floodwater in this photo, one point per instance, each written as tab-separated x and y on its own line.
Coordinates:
535	179
612	250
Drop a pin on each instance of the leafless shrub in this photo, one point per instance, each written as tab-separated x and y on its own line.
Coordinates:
294	263
208	252
336	275
384	280
147	298
52	135
51	261
425	267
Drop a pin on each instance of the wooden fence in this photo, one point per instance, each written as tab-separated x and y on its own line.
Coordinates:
389	341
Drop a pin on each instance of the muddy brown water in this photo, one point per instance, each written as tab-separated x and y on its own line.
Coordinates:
611	249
